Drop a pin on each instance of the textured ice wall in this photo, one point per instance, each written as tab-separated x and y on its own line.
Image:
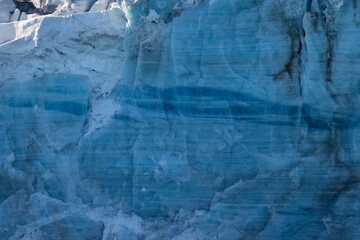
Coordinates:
182	120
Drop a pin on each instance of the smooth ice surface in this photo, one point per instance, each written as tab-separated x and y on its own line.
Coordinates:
182	119
6	6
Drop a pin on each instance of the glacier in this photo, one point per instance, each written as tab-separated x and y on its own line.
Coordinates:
180	119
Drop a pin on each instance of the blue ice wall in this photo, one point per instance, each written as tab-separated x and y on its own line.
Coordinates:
234	120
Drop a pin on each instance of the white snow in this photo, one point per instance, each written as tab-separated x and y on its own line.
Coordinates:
102	111
86	43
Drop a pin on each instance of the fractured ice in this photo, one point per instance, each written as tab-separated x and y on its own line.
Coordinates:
191	119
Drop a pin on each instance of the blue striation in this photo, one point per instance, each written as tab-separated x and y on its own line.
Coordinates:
226	120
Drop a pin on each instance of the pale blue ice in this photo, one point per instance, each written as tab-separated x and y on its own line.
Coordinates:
228	119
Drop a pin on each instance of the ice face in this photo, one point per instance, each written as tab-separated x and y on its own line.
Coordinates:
182	120
6	6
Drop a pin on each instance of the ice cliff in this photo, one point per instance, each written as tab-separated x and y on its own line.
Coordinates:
180	119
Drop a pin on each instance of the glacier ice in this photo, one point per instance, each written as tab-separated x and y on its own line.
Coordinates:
6	7
180	119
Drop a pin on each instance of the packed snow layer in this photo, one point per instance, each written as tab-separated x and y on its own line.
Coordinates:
192	119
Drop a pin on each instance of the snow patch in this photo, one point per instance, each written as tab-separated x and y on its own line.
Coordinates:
102	112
